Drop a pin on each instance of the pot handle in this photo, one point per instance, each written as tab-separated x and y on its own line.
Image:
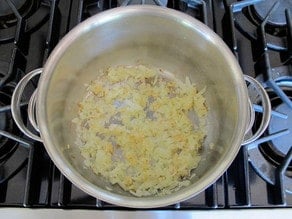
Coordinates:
15	105
267	110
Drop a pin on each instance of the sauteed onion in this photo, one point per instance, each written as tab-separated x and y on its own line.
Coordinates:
142	128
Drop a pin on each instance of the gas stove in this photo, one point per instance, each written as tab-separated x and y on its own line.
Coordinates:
258	32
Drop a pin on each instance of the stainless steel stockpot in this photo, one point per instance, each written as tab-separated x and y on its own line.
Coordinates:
153	36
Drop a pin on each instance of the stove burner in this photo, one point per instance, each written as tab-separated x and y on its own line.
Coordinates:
276	149
268	154
283	144
5	10
32	12
7	146
7	16
247	19
278	17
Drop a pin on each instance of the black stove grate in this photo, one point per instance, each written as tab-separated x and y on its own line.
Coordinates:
266	50
29	178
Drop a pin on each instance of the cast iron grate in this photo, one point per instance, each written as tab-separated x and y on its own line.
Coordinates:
267	50
29	178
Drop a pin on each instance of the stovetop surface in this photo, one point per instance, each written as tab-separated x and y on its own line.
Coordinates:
29	30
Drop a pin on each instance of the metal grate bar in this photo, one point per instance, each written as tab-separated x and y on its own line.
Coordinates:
8	107
28	187
272	84
238	6
18	139
211	196
99	203
195	3
280	182
16	57
267	65
18	42
246	180
268	138
238	181
61	191
13	173
234	8
64	191
259	109
205	18
20	22
75	13
232	30
289	35
49	40
80	9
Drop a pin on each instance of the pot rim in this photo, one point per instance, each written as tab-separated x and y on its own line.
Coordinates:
76	178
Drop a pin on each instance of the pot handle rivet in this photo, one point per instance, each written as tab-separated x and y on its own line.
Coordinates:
15	105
